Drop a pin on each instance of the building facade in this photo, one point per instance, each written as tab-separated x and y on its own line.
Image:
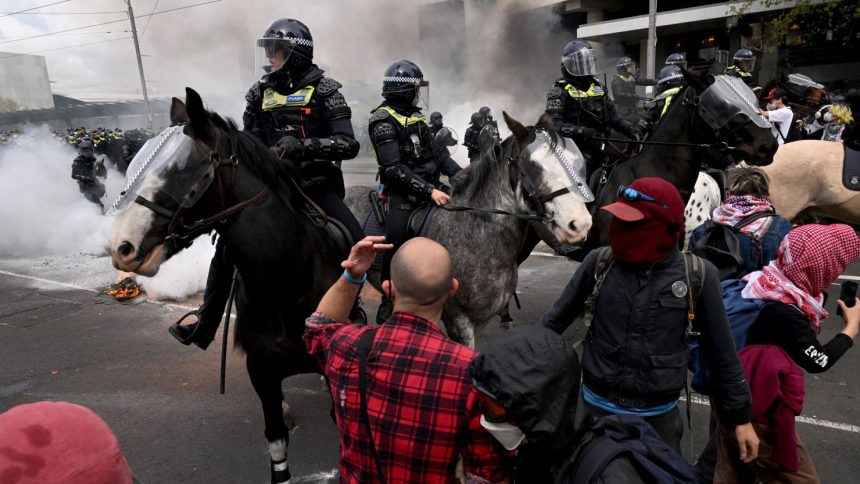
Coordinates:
24	80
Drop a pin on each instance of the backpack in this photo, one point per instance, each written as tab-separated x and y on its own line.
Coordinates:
742	313
625	436
794	132
720	245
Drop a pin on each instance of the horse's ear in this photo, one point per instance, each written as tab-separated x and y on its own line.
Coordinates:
545	122
198	118
178	114
698	81
520	132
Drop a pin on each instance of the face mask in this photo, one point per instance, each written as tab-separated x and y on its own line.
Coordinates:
827	117
771	106
508	434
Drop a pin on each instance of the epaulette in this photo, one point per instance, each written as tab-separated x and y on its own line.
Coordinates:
327	85
554	92
378	115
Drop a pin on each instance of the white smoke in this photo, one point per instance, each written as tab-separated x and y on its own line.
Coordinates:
42	211
183	275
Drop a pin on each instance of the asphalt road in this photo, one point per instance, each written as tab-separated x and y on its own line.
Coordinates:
61	340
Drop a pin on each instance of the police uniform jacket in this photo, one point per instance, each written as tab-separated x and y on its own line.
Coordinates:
410	160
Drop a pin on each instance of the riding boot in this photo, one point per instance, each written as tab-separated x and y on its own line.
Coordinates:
209	314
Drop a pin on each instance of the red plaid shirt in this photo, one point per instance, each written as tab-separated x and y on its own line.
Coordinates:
421	403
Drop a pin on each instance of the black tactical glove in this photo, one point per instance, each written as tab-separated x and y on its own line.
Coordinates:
570	131
289	147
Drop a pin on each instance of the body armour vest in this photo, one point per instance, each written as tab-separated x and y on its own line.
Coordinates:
298	113
585	108
413	138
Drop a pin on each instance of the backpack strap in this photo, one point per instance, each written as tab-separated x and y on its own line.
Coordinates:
698	270
602	266
364	344
594	458
752	218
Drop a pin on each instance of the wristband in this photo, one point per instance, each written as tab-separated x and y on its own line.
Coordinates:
353	280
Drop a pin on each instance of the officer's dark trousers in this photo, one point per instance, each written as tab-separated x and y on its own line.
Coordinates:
396	227
217	289
329	195
669	425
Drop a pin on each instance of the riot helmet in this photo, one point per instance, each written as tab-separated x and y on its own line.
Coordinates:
669	77
487	113
436	119
478	120
677	59
403	84
85	148
624	64
578	59
744	59
286	45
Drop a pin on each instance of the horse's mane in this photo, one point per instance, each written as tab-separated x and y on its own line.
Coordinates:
254	155
476	179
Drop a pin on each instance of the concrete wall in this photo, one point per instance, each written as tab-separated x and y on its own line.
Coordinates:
24	79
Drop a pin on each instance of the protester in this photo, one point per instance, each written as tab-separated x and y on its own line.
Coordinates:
748	194
779	114
528	385
635	353
421	408
59	442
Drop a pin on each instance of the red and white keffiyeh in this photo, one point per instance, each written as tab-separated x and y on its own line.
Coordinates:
738	207
809	259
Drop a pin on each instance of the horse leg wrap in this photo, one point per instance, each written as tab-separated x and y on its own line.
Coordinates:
278	450
280	472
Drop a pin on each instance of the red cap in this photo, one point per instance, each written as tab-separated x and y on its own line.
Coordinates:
59	442
656	188
775	93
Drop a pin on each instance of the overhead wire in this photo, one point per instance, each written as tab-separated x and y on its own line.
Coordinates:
148	19
65	47
6	14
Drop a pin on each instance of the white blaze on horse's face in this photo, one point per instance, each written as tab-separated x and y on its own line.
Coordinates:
563	169
171	172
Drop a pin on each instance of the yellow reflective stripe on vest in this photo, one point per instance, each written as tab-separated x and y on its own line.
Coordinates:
625	79
404	120
666	106
593	91
273	99
737	70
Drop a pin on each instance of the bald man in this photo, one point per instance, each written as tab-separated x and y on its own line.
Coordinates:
421	413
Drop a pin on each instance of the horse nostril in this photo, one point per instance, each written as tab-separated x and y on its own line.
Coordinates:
572	226
125	249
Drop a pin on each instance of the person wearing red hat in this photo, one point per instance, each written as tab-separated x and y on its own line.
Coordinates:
59	442
635	352
779	114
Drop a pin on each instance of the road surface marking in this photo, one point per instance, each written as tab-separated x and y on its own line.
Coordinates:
39	279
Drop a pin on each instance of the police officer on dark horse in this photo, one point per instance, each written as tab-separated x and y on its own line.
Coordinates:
300	115
410	161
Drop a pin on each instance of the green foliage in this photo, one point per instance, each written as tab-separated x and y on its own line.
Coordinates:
815	16
8	105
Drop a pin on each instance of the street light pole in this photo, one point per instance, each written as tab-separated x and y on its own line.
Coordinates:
652	39
139	65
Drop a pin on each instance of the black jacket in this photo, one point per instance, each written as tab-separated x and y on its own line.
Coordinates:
311	108
624	91
470	141
636	348
786	326
410	160
587	104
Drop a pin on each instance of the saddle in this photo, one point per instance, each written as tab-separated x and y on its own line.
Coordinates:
419	223
851	168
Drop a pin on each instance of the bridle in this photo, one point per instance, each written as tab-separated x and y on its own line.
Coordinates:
179	234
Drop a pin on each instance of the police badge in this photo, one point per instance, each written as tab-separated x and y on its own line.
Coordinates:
679	289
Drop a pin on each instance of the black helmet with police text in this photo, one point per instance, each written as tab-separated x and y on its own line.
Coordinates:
677	59
622	65
669	77
286	44
744	59
403	82
578	59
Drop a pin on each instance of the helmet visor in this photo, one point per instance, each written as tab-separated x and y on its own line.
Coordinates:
171	163
748	65
580	63
422	95
272	54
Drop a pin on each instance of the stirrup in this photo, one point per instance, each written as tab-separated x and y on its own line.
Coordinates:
178	324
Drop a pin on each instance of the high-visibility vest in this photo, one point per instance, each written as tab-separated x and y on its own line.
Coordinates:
404	120
274	100
594	90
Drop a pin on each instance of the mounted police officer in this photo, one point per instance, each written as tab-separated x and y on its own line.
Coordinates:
670	83
301	116
410	162
87	170
435	123
743	65
677	59
579	106
624	86
488	117
471	137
